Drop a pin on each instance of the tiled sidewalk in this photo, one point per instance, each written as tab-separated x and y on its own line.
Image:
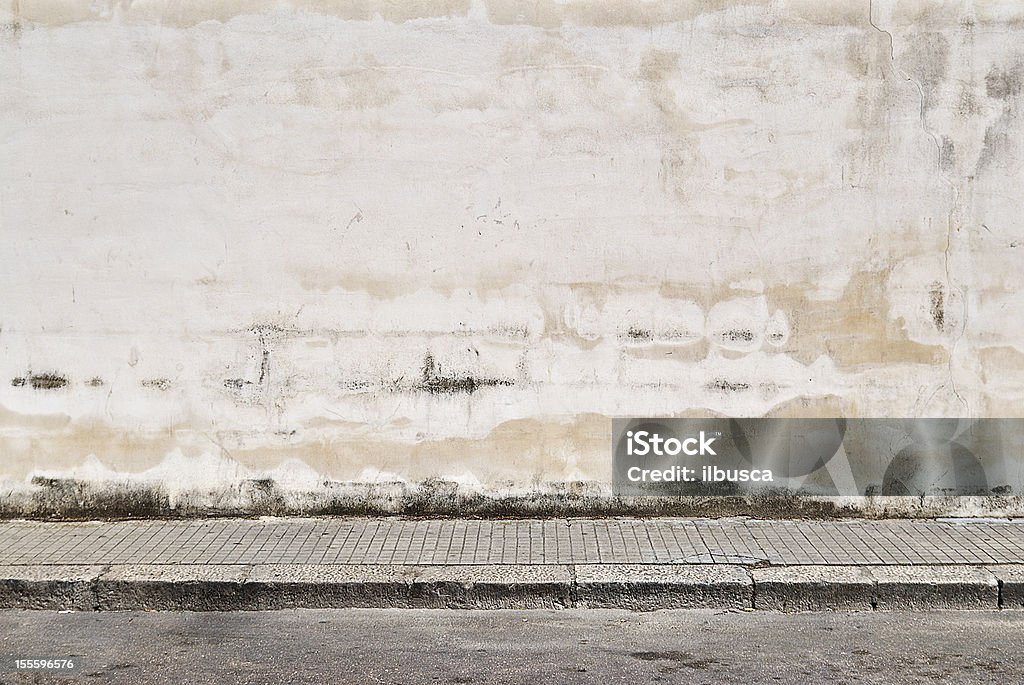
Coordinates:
482	542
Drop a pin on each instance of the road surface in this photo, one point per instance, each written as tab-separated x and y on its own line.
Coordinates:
538	647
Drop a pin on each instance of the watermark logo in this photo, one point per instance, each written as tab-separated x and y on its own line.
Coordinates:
819	456
641	443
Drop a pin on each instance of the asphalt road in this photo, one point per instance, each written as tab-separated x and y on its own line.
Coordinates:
536	647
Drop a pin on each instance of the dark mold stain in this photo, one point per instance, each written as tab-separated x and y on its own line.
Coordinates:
76	500
265	497
18	382
42	381
511	331
263	484
937	297
264	365
1004	83
722	385
70	499
1001	140
432	380
240	383
95	382
996	144
157	383
270	330
737	335
926	60
947	154
635	333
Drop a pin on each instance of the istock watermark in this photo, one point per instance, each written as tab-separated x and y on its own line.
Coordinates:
820	456
641	443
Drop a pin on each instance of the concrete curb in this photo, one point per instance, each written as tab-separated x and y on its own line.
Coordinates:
935	587
49	587
620	586
812	588
648	587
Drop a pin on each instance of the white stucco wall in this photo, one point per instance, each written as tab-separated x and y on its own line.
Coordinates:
238	231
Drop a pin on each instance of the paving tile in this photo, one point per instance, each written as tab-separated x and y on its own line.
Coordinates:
556	541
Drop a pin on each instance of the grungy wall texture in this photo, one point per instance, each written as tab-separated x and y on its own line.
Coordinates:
344	255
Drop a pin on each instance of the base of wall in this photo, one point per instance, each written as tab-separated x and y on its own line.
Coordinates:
71	499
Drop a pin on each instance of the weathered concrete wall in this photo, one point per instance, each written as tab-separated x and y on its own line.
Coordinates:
305	255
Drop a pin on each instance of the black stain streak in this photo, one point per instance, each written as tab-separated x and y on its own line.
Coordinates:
240	383
41	381
639	333
722	385
264	365
266	497
435	382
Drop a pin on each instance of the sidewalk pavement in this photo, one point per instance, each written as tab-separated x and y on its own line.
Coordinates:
640	564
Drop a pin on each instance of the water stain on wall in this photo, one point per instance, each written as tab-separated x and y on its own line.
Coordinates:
855	331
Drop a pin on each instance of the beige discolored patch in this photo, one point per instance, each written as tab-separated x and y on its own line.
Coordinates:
854	331
551	14
998	363
515	451
56	443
